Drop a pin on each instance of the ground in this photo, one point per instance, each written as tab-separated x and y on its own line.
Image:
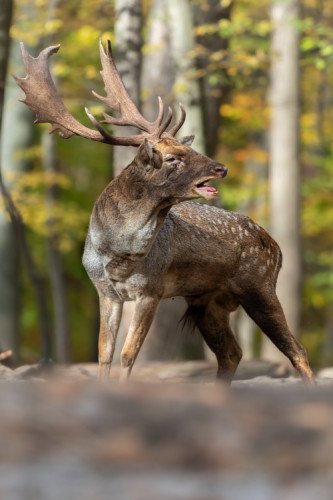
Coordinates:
170	434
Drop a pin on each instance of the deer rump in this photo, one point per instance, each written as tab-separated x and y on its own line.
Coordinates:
148	240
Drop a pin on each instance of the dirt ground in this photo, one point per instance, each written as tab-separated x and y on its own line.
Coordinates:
170	434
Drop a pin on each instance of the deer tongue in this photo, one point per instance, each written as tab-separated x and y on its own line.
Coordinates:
206	192
206	189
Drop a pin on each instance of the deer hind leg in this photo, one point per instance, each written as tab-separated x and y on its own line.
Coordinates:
268	314
144	312
110	316
213	323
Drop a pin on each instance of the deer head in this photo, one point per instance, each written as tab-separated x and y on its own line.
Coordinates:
162	159
172	167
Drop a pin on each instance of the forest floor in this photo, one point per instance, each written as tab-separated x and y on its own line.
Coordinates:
169	434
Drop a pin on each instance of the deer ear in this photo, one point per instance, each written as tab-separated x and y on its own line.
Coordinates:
187	140
157	159
148	157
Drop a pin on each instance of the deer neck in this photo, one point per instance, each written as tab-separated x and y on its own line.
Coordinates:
125	222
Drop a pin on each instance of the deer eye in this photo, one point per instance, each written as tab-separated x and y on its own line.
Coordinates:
170	159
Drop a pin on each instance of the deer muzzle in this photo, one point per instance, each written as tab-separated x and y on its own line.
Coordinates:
220	169
209	192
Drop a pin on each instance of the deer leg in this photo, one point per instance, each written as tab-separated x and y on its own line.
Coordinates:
110	316
143	316
269	316
213	323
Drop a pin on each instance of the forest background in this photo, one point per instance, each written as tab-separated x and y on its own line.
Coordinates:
256	80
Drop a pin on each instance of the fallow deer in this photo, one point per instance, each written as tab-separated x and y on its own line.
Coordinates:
147	240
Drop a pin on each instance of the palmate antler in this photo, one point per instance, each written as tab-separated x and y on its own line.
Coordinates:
41	96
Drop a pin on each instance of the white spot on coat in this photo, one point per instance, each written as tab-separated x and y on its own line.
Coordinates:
262	270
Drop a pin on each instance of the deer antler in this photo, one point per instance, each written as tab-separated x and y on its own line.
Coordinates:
41	96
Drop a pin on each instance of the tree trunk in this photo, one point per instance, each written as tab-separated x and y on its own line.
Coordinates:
8	257
18	135
5	21
15	118
55	267
213	91
284	166
61	328
158	72
128	43
186	89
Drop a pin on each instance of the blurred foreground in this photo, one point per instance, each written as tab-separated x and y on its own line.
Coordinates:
65	436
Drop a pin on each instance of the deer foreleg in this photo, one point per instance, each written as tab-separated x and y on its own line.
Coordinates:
143	316
110	316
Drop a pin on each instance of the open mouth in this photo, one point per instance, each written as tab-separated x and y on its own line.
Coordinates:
207	192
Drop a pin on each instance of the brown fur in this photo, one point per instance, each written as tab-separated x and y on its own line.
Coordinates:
147	242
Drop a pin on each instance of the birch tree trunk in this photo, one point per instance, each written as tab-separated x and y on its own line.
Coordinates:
186	89
128	43
158	72
128	23
284	166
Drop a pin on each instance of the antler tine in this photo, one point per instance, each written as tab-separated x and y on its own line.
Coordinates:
165	124
117	97
159	118
173	131
41	96
133	140
122	122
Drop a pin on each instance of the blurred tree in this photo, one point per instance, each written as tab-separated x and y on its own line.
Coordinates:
8	298
127	34
5	22
128	42
284	163
210	50
158	71
62	349
18	118
186	88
